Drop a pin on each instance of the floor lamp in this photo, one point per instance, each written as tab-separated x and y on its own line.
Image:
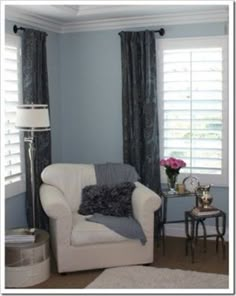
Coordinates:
32	118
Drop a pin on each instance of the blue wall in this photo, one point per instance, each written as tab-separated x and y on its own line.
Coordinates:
85	97
15	214
91	97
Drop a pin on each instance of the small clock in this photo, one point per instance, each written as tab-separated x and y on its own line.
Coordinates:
191	183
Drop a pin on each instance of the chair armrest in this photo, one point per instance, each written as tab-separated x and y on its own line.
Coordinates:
145	202
59	212
53	202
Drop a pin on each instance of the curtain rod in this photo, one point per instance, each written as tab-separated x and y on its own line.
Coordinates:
15	29
161	31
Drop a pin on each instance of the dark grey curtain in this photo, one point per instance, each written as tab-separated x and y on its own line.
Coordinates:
139	104
35	90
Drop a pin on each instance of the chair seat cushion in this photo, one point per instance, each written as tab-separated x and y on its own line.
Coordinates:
87	233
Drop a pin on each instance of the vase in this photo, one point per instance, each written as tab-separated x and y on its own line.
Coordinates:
171	180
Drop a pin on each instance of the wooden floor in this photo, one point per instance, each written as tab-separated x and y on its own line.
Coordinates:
174	258
204	262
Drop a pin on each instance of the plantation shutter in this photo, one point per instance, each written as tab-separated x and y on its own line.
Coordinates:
193	98
14	174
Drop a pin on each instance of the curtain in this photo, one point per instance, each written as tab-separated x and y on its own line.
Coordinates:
35	90
139	105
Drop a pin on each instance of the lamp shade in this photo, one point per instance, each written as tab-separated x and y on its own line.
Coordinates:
32	117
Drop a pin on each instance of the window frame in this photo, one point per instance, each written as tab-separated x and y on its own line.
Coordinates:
197	42
17	187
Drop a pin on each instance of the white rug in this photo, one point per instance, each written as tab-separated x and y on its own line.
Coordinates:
135	277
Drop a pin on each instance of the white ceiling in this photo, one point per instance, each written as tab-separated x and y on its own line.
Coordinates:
68	18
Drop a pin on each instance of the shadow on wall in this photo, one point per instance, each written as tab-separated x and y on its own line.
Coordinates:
15	214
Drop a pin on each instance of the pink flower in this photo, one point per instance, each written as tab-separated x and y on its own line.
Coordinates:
173	163
168	162
182	163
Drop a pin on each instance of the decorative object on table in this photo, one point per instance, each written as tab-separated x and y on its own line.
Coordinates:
22	236
191	184
173	166
32	118
181	188
204	196
200	211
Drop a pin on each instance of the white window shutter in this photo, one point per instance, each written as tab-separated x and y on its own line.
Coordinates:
192	84
14	154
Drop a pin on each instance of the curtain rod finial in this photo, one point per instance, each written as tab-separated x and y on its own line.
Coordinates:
162	32
15	29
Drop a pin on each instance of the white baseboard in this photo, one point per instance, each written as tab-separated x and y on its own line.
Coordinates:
178	230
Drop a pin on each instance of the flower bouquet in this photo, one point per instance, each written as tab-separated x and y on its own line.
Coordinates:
173	166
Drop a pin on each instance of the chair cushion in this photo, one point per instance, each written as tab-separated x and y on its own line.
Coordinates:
87	233
107	200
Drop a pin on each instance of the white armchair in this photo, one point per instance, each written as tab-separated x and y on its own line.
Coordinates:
79	244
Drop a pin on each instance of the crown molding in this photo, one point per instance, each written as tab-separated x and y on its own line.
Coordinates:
217	15
155	20
33	20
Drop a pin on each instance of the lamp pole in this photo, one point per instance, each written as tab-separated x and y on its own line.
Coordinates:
31	154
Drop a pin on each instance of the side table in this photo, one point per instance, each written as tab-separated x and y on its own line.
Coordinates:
162	214
27	264
191	228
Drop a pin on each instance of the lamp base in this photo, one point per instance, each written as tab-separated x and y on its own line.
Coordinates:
32	230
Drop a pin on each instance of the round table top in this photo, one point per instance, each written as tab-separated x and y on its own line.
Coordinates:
41	237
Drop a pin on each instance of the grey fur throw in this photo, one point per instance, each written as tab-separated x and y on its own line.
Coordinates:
107	200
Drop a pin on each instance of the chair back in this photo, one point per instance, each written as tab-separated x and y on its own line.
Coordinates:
70	179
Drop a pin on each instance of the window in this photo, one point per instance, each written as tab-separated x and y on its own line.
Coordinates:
192	95
14	168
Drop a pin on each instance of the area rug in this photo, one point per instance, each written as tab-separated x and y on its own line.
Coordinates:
135	277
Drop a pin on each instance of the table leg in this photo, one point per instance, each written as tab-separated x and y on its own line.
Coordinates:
163	240
217	243
160	229
204	235
196	235
165	201
187	233
158	225
220	234
192	239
